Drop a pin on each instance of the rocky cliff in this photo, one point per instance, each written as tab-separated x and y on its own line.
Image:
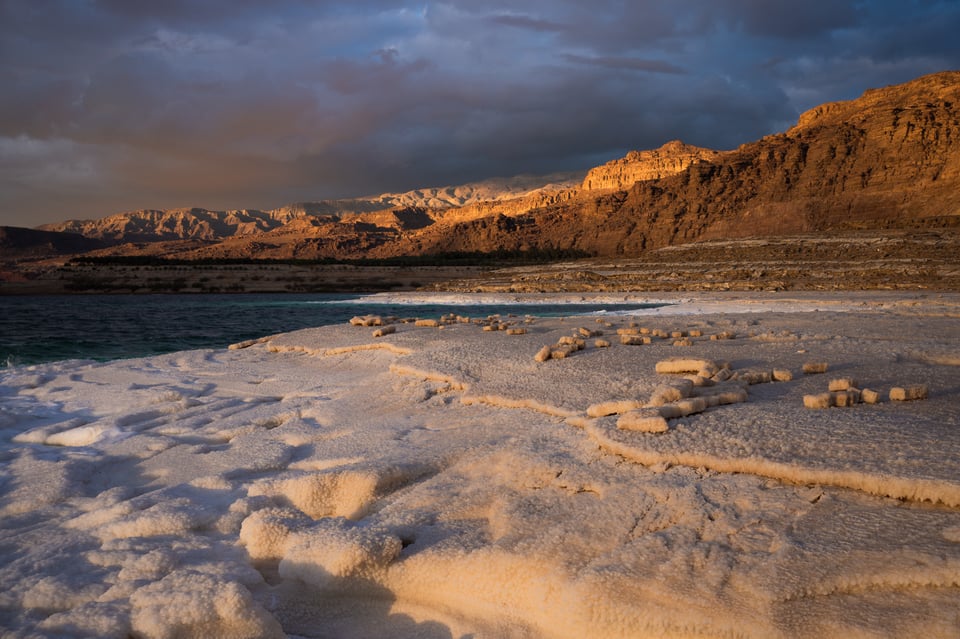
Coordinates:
640	166
889	159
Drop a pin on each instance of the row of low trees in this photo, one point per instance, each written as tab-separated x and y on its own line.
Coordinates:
492	258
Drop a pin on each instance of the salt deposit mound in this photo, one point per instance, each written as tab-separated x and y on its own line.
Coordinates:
439	481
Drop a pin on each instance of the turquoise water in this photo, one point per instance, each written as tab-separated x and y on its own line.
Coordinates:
103	327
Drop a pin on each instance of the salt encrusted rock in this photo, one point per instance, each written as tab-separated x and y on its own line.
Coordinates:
384	330
685	365
908	393
722	398
782	375
869	396
820	400
814	368
841	384
670	393
644	421
367	320
700	380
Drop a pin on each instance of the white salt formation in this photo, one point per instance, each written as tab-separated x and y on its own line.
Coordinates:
327	483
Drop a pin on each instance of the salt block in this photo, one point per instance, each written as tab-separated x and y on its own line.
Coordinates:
782	375
427	323
628	331
631	340
543	354
723	398
908	393
723	335
755	377
722	375
841	384
696	333
869	396
814	368
678	334
683	408
644	421
682	342
384	330
516	331
601	343
820	400
683	365
848	397
617	407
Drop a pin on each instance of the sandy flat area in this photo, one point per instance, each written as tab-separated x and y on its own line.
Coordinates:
439	481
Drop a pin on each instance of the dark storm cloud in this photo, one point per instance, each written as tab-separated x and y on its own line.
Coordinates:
118	104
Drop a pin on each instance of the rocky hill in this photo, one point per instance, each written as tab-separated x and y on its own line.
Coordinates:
22	243
639	166
887	160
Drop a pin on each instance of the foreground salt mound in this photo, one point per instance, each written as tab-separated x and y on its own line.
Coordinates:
437	483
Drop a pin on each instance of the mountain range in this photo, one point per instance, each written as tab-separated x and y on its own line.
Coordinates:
889	159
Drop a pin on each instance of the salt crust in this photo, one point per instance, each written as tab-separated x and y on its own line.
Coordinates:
444	483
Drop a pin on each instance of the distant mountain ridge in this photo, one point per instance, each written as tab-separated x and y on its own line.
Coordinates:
150	225
889	159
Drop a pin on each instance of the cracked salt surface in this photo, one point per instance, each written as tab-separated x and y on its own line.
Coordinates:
440	482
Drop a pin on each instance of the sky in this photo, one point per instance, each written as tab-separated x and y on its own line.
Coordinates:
114	105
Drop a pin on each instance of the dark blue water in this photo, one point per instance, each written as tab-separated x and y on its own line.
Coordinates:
103	327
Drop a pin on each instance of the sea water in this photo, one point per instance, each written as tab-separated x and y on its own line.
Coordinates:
37	329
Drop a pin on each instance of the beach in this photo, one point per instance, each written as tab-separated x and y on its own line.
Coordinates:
440	481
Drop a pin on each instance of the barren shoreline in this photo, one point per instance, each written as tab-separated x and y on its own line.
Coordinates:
851	261
438	481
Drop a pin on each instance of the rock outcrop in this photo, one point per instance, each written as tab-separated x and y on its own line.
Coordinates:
640	166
